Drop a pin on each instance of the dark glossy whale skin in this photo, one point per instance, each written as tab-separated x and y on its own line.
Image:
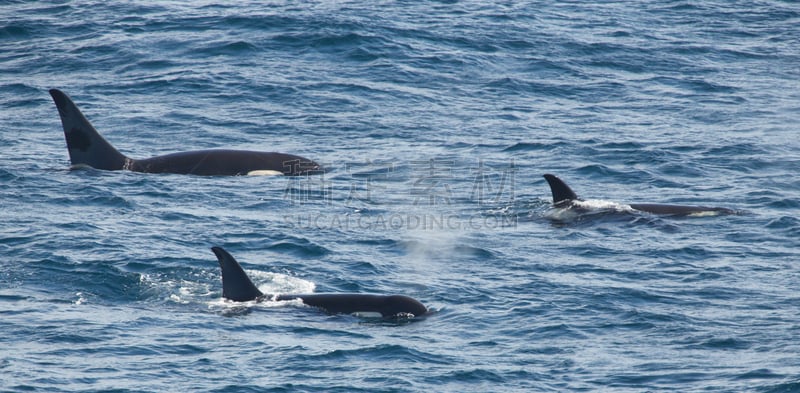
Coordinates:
225	162
88	148
351	303
237	286
680	210
563	196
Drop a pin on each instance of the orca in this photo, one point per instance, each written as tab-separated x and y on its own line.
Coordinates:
88	148
238	287
564	197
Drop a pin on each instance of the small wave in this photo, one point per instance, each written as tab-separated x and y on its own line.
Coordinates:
726	343
533	146
14	31
444	248
384	353
785	387
784	222
598	169
302	248
108	200
236	48
474	375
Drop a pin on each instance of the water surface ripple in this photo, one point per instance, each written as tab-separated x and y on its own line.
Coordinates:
436	120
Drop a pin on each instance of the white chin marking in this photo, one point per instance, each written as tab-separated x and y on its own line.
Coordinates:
367	314
264	172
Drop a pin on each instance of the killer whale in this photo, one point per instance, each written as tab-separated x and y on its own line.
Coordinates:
88	148
563	196
237	286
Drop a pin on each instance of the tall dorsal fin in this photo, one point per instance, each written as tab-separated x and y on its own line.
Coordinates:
86	146
561	191
236	285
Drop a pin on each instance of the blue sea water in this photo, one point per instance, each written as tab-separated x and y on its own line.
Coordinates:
436	121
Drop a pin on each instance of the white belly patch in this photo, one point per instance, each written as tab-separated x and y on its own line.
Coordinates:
367	314
264	172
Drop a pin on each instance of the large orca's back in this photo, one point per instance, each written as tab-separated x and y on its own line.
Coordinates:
217	162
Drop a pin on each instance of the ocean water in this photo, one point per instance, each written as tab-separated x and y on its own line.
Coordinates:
436	121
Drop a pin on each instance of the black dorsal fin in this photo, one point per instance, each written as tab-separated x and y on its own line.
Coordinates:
561	191
236	285
86	146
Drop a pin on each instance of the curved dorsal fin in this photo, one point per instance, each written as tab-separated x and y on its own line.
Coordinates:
86	146
236	285
561	191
